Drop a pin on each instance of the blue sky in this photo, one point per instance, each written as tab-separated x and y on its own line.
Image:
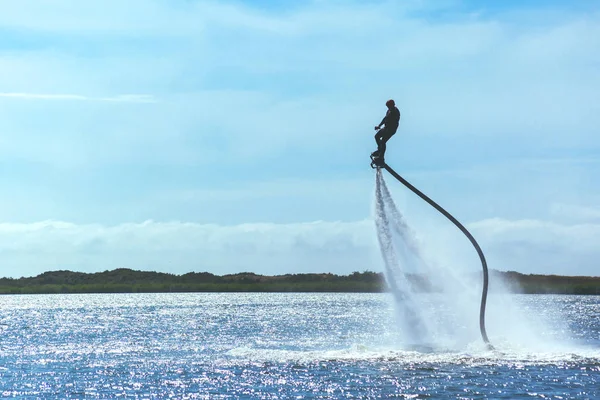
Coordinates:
234	136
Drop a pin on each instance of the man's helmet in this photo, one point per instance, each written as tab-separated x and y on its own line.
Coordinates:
390	103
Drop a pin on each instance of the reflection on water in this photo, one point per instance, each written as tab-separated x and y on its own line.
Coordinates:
281	345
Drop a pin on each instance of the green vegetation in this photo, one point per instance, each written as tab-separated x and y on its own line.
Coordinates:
549	284
131	281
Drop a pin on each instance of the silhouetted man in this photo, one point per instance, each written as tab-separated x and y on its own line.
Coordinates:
390	122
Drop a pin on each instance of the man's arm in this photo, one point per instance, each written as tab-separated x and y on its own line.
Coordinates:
382	122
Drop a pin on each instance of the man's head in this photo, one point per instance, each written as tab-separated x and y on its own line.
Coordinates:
390	103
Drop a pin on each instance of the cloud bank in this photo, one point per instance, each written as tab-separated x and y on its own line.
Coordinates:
338	247
179	247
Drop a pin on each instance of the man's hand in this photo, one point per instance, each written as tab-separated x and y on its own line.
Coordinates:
377	127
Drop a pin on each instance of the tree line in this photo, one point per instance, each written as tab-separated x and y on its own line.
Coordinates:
125	280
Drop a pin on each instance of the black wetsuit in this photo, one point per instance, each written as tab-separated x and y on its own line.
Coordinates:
390	122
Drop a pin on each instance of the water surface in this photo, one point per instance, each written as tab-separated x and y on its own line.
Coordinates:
280	346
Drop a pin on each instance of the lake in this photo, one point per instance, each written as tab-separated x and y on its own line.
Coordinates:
292	346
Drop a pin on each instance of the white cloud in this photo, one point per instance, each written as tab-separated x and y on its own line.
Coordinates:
542	247
125	98
178	247
527	246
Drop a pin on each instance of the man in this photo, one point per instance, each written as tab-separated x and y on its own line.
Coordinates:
390	122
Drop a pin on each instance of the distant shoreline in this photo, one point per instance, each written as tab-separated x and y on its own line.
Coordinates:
132	281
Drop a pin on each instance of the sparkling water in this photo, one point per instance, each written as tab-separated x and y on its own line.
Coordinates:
286	346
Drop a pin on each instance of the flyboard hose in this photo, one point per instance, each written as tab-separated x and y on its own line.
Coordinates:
467	234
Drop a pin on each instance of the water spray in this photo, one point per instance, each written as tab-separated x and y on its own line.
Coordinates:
467	234
412	321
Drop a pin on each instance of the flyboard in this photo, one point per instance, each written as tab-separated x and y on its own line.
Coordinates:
378	163
376	160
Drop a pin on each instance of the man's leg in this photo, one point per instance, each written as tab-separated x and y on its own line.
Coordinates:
378	139
382	140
